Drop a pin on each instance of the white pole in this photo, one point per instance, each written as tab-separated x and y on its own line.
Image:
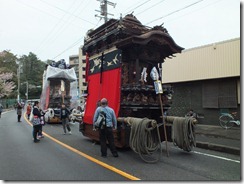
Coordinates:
27	86
18	74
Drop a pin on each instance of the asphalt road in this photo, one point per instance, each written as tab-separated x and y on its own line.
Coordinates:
59	157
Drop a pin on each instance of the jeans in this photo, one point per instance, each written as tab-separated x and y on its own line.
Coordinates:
65	124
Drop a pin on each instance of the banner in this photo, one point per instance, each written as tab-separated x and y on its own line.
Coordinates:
109	88
104	78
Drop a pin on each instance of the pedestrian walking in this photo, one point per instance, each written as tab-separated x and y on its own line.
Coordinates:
40	135
1	110
64	116
36	121
28	110
19	112
106	130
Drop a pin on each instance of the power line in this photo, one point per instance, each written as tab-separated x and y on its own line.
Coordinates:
174	12
66	12
196	10
150	7
54	27
138	6
74	44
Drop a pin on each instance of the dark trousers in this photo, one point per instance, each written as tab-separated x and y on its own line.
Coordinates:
65	124
106	134
36	129
19	116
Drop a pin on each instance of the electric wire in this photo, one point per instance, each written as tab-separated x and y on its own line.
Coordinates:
150	7
62	27
176	11
67	12
49	34
32	7
138	6
74	44
194	10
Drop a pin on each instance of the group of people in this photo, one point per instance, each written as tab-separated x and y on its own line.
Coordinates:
105	132
36	116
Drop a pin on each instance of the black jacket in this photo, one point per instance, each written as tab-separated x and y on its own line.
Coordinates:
36	112
64	113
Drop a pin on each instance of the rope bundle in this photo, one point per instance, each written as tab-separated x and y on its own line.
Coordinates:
183	133
144	137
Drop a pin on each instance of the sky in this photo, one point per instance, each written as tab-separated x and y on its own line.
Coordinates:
55	29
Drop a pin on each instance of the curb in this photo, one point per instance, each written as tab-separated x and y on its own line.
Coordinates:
216	136
217	147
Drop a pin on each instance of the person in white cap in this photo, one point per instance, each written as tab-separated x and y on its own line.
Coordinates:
106	131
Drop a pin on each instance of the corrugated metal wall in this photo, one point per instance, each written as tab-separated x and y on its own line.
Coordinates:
218	60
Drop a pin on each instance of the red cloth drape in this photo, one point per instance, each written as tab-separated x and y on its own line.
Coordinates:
109	88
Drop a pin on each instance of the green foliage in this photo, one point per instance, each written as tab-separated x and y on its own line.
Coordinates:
31	70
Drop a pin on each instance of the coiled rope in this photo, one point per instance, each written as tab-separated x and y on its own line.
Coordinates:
145	138
183	134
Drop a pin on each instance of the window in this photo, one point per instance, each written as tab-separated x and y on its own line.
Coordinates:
220	93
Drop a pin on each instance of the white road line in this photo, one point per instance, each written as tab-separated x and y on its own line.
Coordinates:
214	156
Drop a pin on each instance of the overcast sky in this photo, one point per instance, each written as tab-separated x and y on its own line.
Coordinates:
55	29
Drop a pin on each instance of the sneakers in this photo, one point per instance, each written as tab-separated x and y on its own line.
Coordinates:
36	141
70	133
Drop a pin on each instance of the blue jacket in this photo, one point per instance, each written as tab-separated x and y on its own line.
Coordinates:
111	120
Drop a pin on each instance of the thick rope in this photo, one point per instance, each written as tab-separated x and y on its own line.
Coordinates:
183	133
145	138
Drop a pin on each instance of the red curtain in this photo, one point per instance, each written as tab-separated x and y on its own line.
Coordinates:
109	88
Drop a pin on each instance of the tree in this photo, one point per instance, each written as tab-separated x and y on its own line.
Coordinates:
32	71
6	84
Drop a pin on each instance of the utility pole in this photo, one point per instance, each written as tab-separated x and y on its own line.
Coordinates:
18	75
27	90
104	9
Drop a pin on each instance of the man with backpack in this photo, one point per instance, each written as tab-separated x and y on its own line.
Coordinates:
64	116
106	128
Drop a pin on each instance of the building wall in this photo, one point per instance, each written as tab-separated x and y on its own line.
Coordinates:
216	60
189	95
205	79
82	73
